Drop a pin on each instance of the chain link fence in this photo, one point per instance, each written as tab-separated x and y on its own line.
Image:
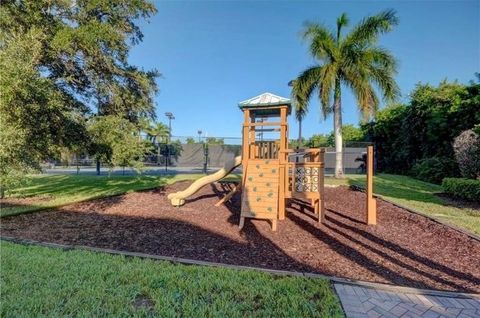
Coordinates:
189	154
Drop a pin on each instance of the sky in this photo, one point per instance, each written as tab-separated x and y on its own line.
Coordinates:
214	54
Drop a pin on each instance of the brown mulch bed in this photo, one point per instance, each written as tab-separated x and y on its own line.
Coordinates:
404	248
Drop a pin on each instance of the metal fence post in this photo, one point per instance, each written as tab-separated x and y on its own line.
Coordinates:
205	154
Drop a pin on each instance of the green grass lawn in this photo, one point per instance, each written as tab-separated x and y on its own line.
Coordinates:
57	190
419	196
39	281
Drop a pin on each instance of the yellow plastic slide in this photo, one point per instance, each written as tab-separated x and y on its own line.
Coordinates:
178	198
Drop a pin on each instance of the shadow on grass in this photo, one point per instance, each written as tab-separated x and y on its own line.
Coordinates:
74	185
64	189
401	187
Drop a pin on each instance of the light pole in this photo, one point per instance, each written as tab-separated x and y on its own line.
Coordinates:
299	142
170	117
199	132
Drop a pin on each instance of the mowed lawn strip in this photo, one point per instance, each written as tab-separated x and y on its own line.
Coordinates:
419	196
49	191
39	281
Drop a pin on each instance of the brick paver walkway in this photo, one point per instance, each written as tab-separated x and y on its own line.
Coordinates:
370	302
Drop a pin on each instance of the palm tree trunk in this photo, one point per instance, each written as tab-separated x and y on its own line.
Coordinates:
337	130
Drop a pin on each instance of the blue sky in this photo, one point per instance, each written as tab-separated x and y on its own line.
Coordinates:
213	54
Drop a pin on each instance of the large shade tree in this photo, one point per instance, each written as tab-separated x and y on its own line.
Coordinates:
355	61
84	50
61	62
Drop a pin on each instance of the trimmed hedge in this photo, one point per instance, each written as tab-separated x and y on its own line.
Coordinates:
435	169
468	189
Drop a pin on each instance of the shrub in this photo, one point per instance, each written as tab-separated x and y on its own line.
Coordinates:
434	169
467	153
462	188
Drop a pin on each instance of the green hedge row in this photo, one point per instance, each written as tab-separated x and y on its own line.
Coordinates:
462	188
435	169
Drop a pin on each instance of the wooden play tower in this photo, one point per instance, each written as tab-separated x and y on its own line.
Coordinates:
273	173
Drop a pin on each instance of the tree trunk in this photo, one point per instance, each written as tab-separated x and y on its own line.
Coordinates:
337	130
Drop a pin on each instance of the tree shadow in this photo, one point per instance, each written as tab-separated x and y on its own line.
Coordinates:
303	207
459	203
352	253
219	189
160	236
409	190
397	248
334	229
73	185
179	237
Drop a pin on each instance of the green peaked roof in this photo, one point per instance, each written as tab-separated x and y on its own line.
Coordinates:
265	100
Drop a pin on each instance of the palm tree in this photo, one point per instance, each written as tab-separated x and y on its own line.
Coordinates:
143	125
157	133
354	61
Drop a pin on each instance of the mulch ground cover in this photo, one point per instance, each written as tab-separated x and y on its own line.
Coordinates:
404	248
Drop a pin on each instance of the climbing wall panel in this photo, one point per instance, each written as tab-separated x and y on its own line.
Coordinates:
260	192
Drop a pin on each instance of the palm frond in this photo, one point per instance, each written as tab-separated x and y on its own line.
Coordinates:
322	41
382	67
367	101
341	22
327	82
383	78
381	57
368	30
358	78
321	78
374	65
302	89
158	131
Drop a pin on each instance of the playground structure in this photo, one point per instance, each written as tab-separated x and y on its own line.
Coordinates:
273	173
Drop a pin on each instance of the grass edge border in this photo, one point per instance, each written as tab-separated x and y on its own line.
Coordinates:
186	261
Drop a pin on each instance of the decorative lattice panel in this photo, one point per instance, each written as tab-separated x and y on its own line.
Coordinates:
306	179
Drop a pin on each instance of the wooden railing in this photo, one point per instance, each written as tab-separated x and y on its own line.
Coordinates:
265	149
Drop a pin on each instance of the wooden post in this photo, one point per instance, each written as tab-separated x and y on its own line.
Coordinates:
371	202
321	186
245	143
282	156
251	141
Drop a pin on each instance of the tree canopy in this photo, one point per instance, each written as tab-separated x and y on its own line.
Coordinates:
425	127
83	51
115	143
354	60
62	62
